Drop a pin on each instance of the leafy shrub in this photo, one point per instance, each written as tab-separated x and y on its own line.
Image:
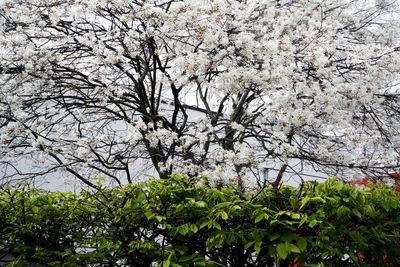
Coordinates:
177	222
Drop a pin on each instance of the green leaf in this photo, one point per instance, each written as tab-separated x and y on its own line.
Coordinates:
217	225
304	201
166	263
149	215
183	229
370	211
257	246
141	197
295	216
343	211
302	243
281	249
193	228
129	204
357	213
339	186
160	218
222	205
199	261
204	224
186	258
288	236
201	204
293	248
275	236
259	218
319	199
386	205
325	237
249	245
224	215
312	223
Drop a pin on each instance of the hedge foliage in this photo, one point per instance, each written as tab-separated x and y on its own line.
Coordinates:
177	222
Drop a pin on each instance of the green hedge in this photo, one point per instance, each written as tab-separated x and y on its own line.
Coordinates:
177	222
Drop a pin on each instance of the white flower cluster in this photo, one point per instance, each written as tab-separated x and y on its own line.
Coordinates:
102	84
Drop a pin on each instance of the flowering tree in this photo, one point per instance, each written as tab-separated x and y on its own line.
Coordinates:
104	88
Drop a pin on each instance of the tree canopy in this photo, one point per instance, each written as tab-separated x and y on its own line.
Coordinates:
100	88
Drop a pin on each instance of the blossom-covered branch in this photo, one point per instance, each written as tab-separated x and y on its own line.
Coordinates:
221	88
